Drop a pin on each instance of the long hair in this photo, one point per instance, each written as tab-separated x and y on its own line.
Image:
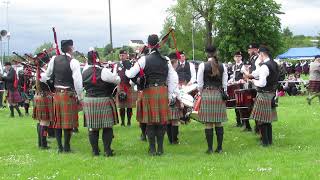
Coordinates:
211	53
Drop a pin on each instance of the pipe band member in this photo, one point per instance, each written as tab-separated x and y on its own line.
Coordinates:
11	85
212	78
264	110
66	100
99	106
160	76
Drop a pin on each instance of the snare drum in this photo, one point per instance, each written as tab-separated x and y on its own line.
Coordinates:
314	86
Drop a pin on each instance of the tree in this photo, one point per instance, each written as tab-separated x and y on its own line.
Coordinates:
181	19
107	50
243	22
46	45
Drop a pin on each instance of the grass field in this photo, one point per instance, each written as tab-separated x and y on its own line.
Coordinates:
294	155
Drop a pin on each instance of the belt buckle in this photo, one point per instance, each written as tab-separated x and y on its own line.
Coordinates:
61	90
156	84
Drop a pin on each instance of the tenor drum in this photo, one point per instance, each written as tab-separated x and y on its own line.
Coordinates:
245	101
231	103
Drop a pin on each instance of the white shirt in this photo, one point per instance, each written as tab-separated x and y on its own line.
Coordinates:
193	73
172	79
76	73
261	75
200	76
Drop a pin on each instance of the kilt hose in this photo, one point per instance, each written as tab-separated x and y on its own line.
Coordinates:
153	108
100	112
14	97
314	86
130	102
65	110
43	108
212	107
175	113
262	111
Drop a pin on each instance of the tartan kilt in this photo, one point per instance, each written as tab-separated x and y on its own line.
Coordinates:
262	111
100	112
139	107
314	86
154	107
212	107
65	110
130	102
175	113
43	108
14	97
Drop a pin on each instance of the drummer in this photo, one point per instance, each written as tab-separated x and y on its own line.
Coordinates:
187	76
175	108
266	80
237	78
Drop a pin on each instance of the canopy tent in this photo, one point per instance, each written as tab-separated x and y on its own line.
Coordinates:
300	53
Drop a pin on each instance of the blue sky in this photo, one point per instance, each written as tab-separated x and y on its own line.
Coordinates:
86	22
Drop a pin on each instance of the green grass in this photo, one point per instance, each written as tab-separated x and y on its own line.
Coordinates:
294	155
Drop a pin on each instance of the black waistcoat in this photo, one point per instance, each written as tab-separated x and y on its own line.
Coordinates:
212	81
62	72
272	79
156	69
122	67
9	80
101	88
237	72
184	72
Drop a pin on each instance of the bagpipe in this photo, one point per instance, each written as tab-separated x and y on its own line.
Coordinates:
140	78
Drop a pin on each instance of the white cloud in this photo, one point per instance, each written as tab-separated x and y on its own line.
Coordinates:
301	16
87	21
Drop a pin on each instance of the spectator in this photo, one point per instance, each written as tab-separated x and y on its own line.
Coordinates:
290	86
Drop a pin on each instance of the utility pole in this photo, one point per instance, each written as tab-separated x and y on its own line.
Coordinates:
8	27
110	24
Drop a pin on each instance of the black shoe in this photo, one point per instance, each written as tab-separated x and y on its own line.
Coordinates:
209	151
